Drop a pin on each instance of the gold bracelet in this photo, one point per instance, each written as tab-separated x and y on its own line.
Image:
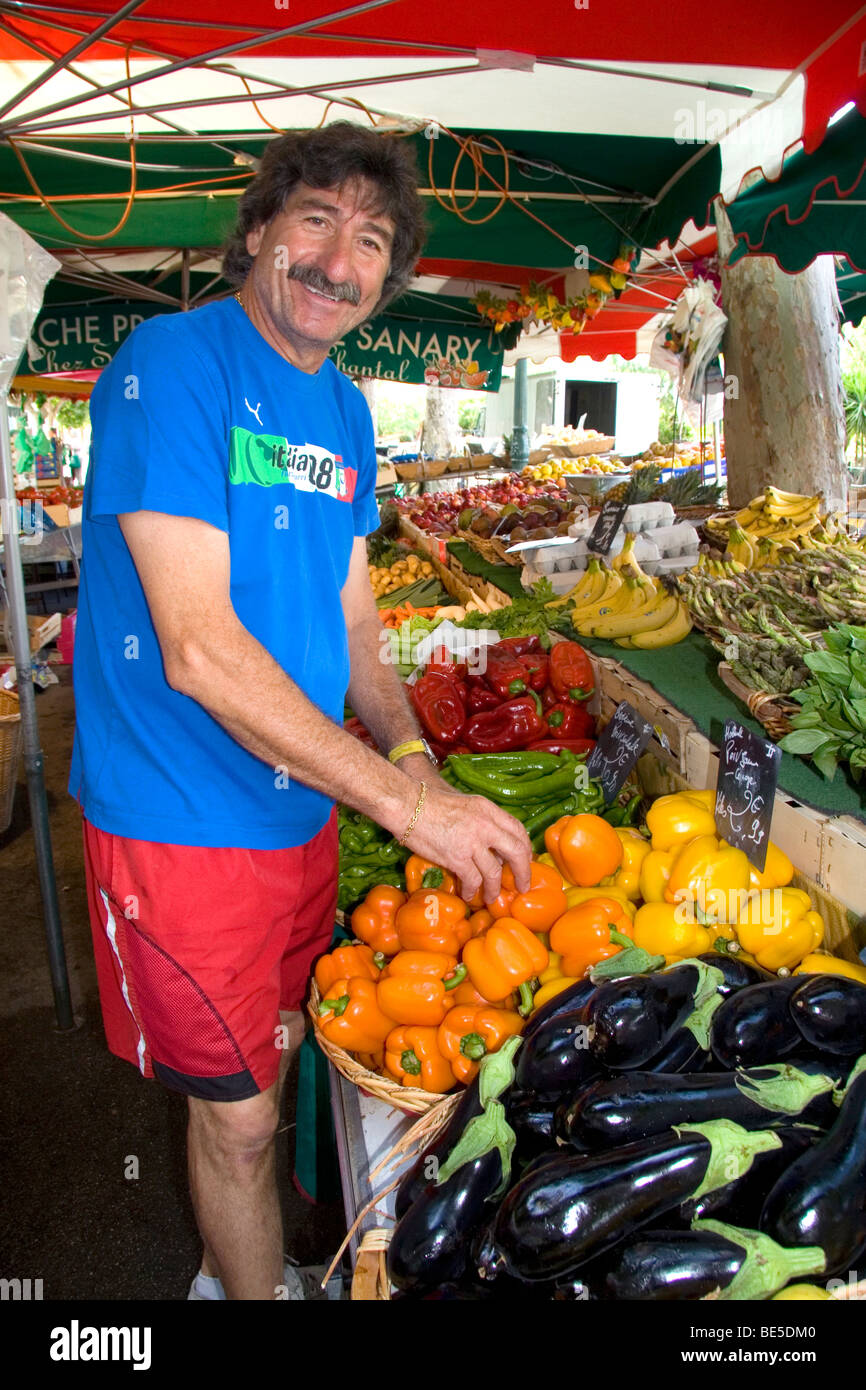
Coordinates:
415	814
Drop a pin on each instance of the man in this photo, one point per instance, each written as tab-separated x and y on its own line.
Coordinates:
225	611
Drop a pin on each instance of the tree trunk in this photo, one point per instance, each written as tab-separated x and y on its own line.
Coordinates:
441	429
784	418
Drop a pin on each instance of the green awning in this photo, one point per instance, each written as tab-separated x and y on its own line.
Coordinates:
816	206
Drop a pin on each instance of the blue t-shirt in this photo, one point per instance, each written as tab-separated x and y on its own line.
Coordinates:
198	416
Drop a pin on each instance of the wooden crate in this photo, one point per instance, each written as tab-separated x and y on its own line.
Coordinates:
433	546
843	862
672	728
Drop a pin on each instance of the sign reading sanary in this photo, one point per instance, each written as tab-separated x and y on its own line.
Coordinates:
85	338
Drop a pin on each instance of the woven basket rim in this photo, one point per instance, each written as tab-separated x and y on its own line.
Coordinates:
410	1099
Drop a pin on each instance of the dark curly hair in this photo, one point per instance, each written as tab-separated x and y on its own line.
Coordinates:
326	158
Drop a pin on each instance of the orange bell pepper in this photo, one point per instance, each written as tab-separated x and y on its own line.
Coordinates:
585	935
416	986
585	848
467	1034
537	908
423	873
466	993
373	1061
373	920
433	920
345	963
351	1016
480	921
505	958
413	1058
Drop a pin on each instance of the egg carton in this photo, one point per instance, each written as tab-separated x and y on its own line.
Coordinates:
648	516
671	564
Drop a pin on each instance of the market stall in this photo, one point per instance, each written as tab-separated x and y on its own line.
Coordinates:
561	634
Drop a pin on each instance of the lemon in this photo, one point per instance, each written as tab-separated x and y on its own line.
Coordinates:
806	1292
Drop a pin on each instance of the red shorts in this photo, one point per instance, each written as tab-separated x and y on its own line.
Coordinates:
198	949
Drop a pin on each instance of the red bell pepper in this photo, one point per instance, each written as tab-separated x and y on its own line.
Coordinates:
505	673
439	707
520	646
549	696
570	721
566	745
455	671
513	725
481	698
360	731
536	667
571	671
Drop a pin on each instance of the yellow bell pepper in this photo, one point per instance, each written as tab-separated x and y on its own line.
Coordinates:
575	896
655	871
673	819
663	929
635	849
779	927
712	875
777	872
817	963
551	981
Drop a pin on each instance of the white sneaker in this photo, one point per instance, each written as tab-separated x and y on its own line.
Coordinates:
300	1283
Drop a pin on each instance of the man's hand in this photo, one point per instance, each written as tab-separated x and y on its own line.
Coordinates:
472	838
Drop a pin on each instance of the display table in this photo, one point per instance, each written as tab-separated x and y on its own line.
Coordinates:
365	1129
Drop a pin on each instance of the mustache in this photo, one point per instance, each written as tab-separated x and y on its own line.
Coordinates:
315	279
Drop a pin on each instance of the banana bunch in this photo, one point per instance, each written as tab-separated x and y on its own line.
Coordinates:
625	605
771	523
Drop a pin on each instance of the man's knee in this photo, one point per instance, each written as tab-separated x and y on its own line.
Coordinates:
238	1130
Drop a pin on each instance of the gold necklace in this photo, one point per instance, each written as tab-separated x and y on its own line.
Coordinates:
240	301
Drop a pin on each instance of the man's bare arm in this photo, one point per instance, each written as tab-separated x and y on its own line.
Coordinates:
184	568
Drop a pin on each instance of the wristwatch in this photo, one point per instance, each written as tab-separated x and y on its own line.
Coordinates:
415	745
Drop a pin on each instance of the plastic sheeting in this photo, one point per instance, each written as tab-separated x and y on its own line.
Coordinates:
25	269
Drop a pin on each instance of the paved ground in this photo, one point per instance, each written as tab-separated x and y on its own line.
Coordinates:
72	1117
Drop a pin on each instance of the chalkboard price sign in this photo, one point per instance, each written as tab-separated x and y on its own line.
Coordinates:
619	746
745	792
605	529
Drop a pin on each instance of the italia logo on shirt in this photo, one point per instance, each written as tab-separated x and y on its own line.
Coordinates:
268	459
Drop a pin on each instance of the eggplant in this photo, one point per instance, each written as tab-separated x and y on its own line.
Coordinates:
754	1025
631	1019
821	1199
637	1104
569	1209
531	1118
557	1058
830	1012
426	1164
667	1265
681	1052
430	1243
574	997
738	974
742	1201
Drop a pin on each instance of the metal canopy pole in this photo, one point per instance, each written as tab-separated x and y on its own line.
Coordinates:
33	759
520	431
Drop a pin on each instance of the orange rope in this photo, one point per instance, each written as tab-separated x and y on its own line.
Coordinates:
89	236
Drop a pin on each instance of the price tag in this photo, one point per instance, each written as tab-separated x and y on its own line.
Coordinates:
605	529
619	746
745	792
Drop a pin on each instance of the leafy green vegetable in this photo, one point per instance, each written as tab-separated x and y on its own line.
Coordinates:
522	617
831	726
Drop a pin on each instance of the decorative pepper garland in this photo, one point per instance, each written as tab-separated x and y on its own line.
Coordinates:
534	301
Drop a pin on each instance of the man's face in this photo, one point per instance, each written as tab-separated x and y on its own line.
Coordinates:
320	263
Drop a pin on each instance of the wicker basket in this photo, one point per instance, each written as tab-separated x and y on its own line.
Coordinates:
491	549
410	1099
774	712
10	752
